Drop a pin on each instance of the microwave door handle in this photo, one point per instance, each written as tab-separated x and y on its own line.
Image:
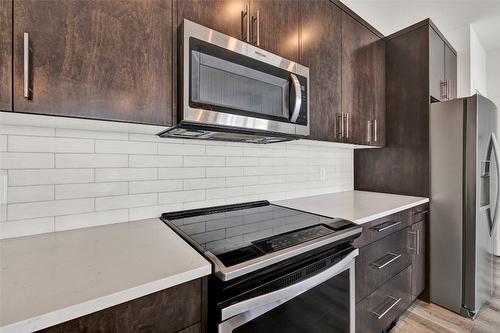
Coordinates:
280	296
298	98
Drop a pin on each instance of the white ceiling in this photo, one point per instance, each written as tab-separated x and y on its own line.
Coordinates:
389	16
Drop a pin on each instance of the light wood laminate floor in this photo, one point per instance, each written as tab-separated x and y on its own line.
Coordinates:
429	318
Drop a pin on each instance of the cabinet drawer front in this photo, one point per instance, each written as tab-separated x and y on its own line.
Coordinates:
384	305
380	261
380	228
419	213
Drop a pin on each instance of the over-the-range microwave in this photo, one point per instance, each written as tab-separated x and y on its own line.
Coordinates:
233	91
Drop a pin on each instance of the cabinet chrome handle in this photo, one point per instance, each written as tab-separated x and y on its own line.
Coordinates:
375	131
26	78
385	226
342	128
418	212
244	16
394	302
442	89
258	28
369	131
384	261
347	125
417	241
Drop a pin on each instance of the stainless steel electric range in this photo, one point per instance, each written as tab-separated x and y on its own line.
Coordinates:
276	269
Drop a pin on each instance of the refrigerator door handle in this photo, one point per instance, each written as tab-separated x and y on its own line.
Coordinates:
494	148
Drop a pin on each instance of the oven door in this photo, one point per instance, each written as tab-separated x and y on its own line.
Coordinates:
233	84
321	303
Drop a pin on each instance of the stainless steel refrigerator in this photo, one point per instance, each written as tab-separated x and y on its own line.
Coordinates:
464	202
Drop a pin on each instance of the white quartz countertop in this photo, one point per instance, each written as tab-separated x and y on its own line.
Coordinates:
357	206
51	278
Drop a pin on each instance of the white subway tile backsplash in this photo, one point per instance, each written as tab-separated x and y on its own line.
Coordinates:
181	196
19	211
155	186
49	144
154	161
50	176
26	160
204	161
76	221
125	174
126	201
180	149
125	147
74	133
92	190
26	227
3	142
201	183
30	193
91	160
61	179
181	173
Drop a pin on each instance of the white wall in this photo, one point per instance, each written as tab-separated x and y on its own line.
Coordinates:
59	178
493	84
478	79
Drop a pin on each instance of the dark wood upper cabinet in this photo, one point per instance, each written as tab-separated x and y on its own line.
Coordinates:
96	59
442	68
436	65
221	15
275	26
450	71
363	83
320	50
5	55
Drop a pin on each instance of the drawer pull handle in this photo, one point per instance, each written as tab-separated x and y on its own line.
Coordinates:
394	301
385	226
385	260
418	212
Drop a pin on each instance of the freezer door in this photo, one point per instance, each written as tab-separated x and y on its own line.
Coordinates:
481	201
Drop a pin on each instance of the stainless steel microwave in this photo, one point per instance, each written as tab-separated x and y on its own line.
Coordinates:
233	91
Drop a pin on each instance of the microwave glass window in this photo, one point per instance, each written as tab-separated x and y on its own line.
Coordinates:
221	83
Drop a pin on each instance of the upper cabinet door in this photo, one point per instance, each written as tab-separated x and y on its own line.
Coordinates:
275	26
95	59
363	83
436	66
5	55
226	16
450	63
320	50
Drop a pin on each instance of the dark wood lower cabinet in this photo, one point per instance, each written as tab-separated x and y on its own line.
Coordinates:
390	269
377	311
179	308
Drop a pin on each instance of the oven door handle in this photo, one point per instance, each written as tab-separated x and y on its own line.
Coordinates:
282	295
298	98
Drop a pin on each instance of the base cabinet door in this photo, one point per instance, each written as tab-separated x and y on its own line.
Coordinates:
417	247
171	310
94	59
5	55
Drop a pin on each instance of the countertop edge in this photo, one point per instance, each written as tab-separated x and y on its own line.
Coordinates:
390	211
101	303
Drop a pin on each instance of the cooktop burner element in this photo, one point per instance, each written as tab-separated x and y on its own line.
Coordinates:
236	237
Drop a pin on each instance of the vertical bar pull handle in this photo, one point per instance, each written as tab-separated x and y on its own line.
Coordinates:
347	125
258	28
369	131
245	24
26	82
375	139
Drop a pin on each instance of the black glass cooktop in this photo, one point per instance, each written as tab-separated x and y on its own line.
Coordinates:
237	233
